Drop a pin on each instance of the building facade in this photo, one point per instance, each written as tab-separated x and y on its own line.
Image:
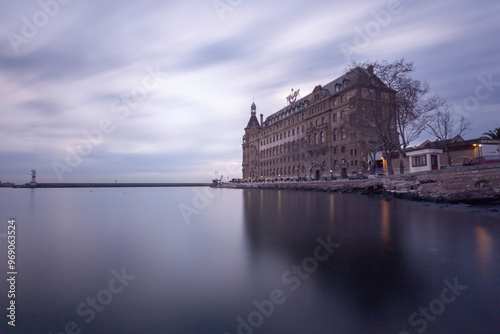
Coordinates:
312	138
460	151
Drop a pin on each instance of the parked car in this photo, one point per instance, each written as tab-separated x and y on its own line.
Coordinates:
487	159
356	176
375	176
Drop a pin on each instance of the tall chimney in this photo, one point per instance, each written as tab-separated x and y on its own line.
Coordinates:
370	69
261	119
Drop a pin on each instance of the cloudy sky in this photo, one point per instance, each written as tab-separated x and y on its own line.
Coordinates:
160	91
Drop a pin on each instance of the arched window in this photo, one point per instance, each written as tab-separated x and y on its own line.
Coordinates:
335	135
322	137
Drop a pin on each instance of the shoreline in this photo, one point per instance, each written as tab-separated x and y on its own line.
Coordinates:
107	185
467	185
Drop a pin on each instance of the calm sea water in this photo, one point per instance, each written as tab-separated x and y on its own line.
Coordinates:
196	260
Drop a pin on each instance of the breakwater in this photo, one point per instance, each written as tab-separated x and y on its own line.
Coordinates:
110	185
472	185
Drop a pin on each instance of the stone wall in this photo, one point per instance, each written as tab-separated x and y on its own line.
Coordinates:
472	184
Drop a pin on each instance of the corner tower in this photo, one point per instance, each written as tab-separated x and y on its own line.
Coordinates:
250	146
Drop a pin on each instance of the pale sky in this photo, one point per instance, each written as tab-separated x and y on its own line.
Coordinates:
164	88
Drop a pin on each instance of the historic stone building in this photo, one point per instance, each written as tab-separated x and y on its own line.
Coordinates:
312	137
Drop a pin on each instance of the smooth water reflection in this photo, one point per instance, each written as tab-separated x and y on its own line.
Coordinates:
237	247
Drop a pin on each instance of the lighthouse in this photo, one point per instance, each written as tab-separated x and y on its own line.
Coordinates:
33	178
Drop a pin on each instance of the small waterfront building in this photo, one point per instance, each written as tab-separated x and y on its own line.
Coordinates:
424	160
457	150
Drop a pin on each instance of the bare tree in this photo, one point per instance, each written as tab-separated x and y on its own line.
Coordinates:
375	117
314	153
412	108
445	125
412	103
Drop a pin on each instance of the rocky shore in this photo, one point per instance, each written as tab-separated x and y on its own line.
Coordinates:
470	185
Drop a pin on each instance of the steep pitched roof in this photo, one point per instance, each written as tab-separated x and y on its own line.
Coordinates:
253	121
336	87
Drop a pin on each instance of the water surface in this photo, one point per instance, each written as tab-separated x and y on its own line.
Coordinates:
192	260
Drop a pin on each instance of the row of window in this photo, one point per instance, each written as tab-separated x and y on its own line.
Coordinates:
287	113
290	146
297	130
295	170
292	120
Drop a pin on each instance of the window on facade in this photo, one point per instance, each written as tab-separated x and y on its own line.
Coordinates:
322	137
323	120
342	99
352	153
293	132
334	102
335	135
343	149
419	161
303	127
342	114
355	162
353	135
335	150
355	151
311	124
343	134
316	138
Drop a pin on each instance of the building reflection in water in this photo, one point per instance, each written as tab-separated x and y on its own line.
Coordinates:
386	222
484	246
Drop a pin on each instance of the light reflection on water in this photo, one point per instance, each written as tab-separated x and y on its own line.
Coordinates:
200	277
